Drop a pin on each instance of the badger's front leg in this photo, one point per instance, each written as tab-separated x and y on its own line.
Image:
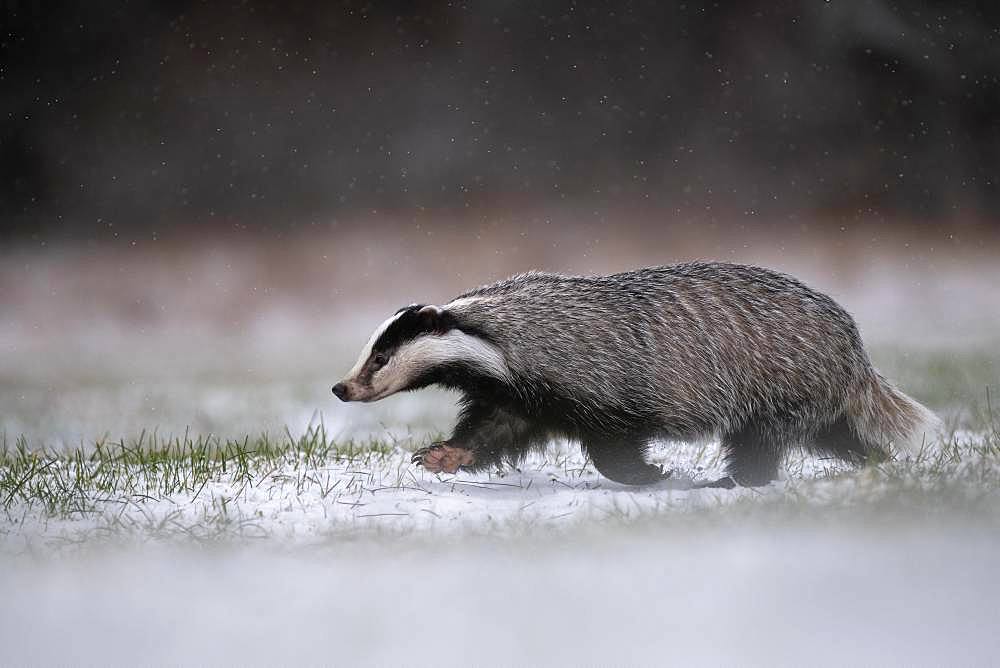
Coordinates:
485	436
442	457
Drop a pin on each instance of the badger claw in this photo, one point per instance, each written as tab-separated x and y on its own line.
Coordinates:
442	458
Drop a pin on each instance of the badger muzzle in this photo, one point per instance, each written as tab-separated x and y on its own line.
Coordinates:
347	390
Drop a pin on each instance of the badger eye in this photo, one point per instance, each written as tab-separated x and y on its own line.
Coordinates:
380	359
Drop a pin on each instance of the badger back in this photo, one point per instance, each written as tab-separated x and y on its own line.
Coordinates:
705	343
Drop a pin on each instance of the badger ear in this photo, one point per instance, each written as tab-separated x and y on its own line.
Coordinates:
411	307
435	319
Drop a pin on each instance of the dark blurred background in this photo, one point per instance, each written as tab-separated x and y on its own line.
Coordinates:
151	118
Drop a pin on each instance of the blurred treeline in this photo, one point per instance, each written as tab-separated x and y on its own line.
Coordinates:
156	115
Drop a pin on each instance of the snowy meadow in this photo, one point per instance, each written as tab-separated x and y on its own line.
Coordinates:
177	483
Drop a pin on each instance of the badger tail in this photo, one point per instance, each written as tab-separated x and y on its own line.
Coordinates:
887	419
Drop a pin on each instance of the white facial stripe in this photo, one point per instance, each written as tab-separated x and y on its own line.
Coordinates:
367	350
457	346
426	352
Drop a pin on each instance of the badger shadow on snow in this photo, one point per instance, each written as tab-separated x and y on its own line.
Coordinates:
617	362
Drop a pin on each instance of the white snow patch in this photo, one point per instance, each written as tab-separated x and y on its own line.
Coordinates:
788	596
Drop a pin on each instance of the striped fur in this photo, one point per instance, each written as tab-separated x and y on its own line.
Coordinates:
750	355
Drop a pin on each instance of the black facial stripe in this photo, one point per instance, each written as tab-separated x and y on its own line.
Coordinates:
410	324
407	327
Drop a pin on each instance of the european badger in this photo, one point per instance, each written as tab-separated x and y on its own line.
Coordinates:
676	352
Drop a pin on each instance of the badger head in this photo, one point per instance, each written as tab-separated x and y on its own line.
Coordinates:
411	349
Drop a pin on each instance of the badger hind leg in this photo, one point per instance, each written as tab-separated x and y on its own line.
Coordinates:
622	459
752	455
839	439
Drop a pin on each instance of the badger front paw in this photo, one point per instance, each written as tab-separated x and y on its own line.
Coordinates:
443	458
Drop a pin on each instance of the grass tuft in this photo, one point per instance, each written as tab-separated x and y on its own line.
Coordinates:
81	481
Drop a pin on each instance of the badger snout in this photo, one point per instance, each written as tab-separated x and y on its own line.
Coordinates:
342	392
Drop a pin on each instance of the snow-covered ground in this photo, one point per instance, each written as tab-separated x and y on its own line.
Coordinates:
367	559
789	595
363	558
298	499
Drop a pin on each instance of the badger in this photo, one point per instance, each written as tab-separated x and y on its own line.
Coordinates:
687	351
